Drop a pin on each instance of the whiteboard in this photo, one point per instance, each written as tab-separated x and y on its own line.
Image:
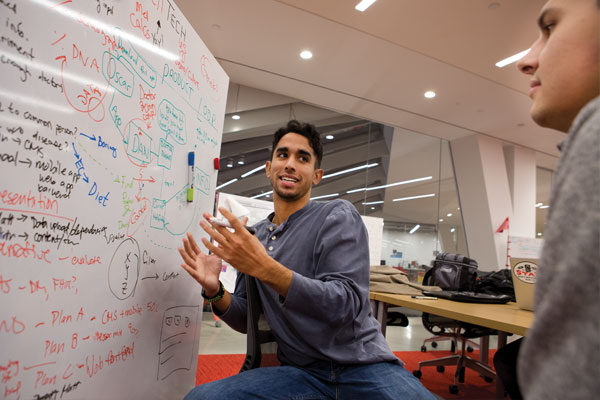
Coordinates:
100	103
524	247
260	209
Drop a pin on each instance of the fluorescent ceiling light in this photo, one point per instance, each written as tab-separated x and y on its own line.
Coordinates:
372	202
546	206
449	215
329	137
325	196
452	230
350	170
430	94
512	59
539	234
306	54
441	219
261	195
226	183
390	185
414	197
235	116
414	229
253	171
539	204
364	4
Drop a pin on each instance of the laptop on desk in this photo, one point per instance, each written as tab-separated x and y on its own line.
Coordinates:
524	274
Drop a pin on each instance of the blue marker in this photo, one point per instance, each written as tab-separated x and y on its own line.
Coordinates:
190	191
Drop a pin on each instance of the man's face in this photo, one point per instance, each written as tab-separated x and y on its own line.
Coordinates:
292	168
564	62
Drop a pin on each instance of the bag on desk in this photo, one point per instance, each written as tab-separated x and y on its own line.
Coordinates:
452	272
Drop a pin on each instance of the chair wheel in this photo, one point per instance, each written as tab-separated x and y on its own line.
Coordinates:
417	373
423	349
434	344
440	368
453	389
469	349
488	379
218	324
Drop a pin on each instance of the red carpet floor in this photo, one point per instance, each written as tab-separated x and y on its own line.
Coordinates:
213	367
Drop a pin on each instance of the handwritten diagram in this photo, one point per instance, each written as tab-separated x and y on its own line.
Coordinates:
100	103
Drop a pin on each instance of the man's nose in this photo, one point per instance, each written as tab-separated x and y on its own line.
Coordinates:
529	64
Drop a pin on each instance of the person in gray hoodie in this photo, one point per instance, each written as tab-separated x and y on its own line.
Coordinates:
560	357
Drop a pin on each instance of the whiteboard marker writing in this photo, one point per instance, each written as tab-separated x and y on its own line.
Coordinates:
226	224
190	191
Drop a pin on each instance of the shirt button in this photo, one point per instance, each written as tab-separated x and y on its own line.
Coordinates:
271	228
273	237
270	248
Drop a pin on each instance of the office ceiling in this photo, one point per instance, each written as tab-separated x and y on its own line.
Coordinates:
371	66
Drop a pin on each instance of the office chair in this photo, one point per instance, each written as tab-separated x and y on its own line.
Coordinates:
259	337
458	332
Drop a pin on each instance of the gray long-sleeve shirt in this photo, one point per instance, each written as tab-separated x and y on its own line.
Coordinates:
326	314
560	357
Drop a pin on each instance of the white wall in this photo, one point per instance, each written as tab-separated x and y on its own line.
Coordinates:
419	246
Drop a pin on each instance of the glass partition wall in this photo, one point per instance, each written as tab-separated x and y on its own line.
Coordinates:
402	177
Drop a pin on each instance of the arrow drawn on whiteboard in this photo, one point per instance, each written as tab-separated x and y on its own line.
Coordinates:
151	180
93	137
151	277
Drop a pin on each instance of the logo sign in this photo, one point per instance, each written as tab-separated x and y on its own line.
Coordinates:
525	271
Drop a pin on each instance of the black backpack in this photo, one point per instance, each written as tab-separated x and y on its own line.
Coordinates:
496	282
452	272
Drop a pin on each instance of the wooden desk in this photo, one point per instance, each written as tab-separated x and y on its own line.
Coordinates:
505	318
502	317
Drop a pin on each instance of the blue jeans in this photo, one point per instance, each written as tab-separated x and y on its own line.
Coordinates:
323	380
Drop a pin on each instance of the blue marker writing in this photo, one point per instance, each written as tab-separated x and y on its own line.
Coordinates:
190	191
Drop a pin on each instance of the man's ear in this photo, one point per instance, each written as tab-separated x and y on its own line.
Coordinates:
268	169
317	176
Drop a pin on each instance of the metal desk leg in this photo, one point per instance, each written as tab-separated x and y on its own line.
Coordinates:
499	386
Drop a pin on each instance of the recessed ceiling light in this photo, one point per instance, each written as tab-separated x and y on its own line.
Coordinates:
307	55
512	59
241	161
539	233
539	204
329	137
452	230
546	206
441	219
235	116
372	208
430	94
364	4
230	164
449	215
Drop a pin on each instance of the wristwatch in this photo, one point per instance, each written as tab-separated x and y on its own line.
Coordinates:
217	296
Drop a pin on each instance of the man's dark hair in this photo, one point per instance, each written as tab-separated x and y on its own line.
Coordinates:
307	130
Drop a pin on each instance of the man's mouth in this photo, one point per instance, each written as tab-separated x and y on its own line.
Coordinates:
288	181
533	87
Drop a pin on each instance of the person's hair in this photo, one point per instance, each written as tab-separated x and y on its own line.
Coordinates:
307	130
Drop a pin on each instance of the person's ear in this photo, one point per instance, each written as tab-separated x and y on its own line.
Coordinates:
317	176
268	169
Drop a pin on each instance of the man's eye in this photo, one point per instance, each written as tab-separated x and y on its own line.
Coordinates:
548	28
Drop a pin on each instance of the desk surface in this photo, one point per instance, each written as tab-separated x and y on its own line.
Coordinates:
503	317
